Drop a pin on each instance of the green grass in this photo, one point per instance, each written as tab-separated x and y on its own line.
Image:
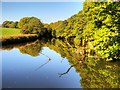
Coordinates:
9	31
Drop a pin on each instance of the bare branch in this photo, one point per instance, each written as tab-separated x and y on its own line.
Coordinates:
62	60
61	74
46	56
41	66
44	63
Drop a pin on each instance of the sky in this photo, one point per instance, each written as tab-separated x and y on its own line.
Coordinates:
42	0
47	12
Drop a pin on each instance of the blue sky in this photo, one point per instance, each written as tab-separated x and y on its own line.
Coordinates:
46	11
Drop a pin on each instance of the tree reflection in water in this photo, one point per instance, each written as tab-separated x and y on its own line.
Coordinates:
94	73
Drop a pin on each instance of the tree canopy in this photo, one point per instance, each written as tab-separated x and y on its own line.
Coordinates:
31	25
96	28
10	24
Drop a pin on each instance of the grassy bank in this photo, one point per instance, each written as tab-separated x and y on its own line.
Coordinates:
5	40
9	31
13	36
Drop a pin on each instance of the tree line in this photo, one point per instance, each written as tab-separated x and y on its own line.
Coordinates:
29	25
96	27
10	24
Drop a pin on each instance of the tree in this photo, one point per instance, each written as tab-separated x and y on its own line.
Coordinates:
10	24
96	27
6	24
31	25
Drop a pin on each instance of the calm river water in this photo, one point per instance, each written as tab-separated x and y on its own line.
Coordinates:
55	64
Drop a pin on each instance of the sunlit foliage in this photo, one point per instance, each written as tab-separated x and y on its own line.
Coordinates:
10	24
31	25
97	27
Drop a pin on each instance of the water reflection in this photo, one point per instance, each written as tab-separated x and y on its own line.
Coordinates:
94	73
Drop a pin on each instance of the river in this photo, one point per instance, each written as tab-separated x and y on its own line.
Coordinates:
55	64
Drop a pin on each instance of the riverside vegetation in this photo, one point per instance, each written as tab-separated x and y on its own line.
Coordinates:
96	29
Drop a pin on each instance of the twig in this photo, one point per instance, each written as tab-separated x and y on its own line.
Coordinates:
46	56
62	60
44	63
61	74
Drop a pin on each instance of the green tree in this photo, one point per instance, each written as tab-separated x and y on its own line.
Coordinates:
10	24
5	24
31	25
96	27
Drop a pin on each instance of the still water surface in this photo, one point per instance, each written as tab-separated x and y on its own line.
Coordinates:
42	64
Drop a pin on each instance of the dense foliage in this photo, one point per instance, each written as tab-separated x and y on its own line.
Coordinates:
96	27
103	28
31	25
32	49
10	24
47	31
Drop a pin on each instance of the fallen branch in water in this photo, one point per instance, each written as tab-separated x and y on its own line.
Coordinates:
41	66
62	60
44	63
66	71
46	56
61	74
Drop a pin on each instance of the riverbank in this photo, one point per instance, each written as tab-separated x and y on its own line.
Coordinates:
18	38
9	31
